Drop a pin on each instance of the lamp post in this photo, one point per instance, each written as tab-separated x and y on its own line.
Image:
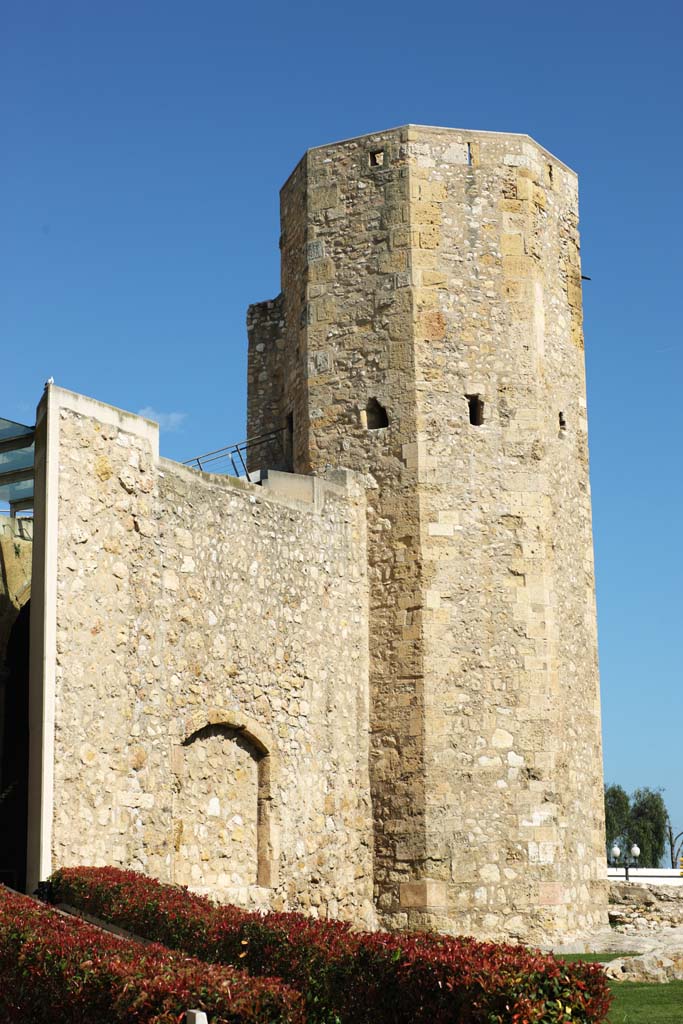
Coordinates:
616	854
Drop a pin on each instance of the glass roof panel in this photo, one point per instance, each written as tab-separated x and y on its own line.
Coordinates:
16	462
9	429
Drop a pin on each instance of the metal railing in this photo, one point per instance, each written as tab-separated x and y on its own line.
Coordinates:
234	457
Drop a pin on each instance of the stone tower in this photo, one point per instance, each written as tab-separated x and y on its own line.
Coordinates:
429	335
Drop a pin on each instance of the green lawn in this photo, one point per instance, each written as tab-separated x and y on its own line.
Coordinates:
592	958
636	1002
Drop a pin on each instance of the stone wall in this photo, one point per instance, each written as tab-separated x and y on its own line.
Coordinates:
16	550
211	710
512	704
635	907
265	378
384	670
435	275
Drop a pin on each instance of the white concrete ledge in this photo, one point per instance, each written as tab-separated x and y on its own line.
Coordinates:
647	876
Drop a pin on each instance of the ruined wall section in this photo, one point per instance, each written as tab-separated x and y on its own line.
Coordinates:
512	697
277	330
268	364
294	246
211	694
16	550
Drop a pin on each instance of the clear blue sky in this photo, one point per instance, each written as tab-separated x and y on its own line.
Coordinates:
144	144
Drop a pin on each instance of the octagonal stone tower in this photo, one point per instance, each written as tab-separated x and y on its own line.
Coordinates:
429	334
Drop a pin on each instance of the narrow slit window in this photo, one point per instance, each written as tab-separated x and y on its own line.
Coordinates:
563	421
377	158
376	414
476	408
289	442
469	154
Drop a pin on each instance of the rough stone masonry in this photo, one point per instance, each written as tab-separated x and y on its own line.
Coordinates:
429	335
367	687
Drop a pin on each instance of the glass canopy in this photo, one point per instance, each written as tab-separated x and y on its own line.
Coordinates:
16	465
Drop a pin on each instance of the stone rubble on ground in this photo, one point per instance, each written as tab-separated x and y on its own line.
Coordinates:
644	919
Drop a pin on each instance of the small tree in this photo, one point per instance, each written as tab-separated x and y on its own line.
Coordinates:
647	825
641	818
617	810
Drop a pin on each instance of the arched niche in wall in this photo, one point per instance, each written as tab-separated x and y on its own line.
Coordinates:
223	830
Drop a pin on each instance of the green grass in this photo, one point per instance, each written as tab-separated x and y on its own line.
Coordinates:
592	958
637	1002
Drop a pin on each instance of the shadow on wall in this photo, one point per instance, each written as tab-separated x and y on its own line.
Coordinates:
14	754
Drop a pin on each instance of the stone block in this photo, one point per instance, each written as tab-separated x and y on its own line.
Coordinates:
539	197
291	485
323	197
518	266
426	214
550	894
512	245
429	236
441	529
574	295
431	326
426	894
434	278
321	271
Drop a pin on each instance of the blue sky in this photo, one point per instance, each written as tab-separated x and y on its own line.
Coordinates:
144	145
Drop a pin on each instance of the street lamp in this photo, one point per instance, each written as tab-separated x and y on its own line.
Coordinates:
615	853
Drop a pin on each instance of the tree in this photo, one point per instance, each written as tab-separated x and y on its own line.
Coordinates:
647	823
641	818
617	809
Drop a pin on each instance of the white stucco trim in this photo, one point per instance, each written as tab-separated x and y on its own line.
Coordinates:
42	665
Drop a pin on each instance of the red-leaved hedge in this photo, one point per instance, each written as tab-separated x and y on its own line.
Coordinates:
56	969
352	977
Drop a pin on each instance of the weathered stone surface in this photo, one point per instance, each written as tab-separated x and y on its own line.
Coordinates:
646	920
370	690
636	908
451	278
212	675
654	968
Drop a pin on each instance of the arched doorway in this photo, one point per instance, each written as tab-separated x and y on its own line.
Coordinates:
223	829
14	755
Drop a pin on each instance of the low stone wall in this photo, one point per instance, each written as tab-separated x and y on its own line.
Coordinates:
648	919
634	907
